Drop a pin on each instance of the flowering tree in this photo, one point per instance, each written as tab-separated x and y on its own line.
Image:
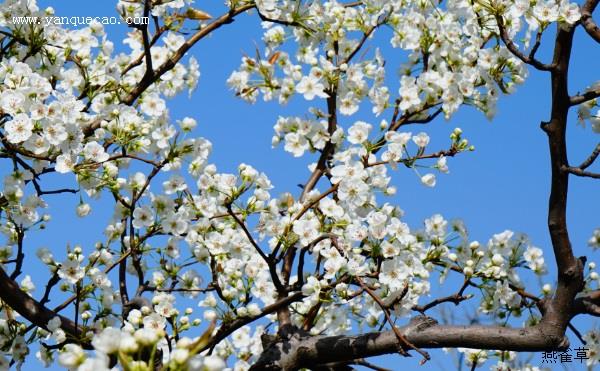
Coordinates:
332	265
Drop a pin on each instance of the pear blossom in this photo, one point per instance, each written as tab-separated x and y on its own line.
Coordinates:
83	209
594	241
95	152
72	356
153	105
359	132
311	87
19	129
421	139
71	271
428	180
65	163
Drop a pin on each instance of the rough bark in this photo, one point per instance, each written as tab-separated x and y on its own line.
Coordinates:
39	315
588	22
423	332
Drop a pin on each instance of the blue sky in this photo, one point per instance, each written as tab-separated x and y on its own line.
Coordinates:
504	184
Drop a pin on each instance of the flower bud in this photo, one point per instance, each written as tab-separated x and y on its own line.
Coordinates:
497	259
546	289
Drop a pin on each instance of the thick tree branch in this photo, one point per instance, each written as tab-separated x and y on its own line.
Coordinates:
422	331
588	22
588	303
32	310
570	269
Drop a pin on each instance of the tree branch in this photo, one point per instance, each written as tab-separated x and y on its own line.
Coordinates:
570	269
590	160
588	22
510	45
34	311
587	96
150	79
423	332
580	172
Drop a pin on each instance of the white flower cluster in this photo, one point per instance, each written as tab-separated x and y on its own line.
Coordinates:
585	110
457	64
594	241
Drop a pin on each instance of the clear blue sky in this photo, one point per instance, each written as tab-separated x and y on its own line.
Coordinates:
504	184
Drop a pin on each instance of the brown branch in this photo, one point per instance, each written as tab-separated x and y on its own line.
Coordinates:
405	119
570	269
536	46
268	261
247	233
147	43
590	160
53	281
144	28
150	79
329	147
137	61
422	332
283	22
229	328
588	303
32	310
579	172
585	97
362	362
403	342
122	276
409	161
455	298
283	314
576	333
20	254
588	22
352	4
134	157
364	39
510	45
